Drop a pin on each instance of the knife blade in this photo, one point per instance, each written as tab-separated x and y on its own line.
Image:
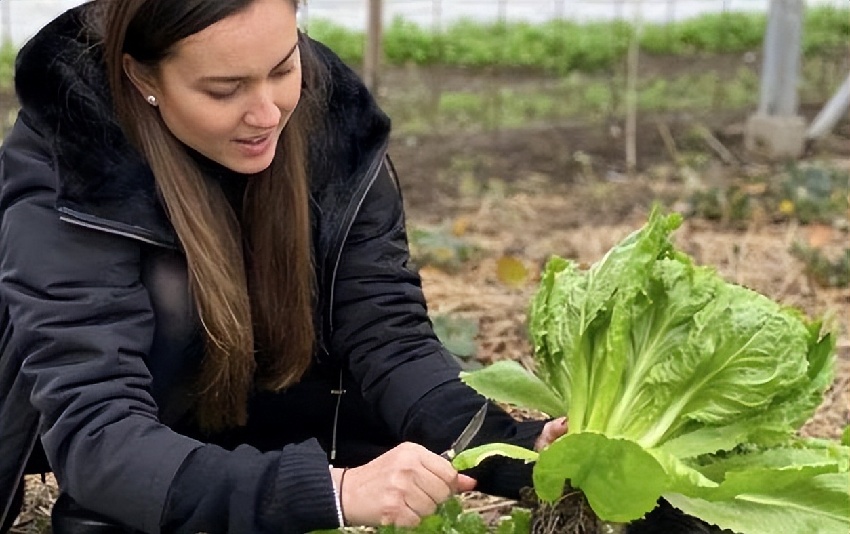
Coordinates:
465	437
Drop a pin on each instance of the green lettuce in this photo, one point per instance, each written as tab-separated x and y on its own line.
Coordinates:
677	384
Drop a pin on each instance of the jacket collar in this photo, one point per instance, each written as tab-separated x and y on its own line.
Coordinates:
63	90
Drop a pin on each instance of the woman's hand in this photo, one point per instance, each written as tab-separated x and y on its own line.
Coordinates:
400	487
553	430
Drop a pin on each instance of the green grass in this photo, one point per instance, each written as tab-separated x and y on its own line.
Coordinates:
562	46
576	96
589	97
7	65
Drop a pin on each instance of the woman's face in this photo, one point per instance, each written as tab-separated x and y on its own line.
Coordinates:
229	90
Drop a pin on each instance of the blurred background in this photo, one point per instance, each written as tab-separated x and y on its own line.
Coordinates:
526	128
491	65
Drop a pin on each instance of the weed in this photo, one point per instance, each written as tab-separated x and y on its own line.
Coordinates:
808	194
813	193
822	270
458	335
439	248
730	205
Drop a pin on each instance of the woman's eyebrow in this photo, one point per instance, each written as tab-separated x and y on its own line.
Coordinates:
223	79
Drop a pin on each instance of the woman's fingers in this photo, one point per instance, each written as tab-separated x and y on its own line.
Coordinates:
404	517
551	431
422	502
399	487
442	470
465	483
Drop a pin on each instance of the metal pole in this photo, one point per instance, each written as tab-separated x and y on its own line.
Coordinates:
835	110
632	90
618	10
6	18
503	11
781	64
435	72
437	28
304	15
372	59
671	19
723	30
561	10
494	102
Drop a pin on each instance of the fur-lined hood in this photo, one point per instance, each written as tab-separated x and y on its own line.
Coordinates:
62	86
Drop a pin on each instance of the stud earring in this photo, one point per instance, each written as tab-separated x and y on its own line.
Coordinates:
152	101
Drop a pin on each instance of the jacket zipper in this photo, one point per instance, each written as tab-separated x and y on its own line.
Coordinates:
372	172
93	223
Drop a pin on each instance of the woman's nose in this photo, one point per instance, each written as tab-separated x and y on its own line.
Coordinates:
264	111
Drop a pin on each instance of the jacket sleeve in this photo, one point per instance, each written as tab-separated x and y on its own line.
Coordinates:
83	322
381	326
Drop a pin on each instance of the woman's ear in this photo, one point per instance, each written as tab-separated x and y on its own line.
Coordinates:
141	77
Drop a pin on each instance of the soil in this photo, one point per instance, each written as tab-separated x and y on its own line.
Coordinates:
564	189
571	513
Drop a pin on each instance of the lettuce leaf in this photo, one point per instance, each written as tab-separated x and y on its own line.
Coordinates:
766	501
676	384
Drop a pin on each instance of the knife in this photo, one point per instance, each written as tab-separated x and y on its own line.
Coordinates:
462	441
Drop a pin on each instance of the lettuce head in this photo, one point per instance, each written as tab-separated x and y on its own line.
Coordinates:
676	384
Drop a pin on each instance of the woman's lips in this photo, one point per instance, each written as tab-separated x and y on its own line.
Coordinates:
254	146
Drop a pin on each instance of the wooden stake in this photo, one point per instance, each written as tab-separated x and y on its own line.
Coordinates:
715	144
631	104
669	142
374	52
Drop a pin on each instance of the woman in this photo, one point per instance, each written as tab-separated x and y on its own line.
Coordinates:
206	309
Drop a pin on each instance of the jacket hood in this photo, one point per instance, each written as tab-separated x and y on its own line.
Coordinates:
62	86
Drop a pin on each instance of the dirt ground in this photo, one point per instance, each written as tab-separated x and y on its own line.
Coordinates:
563	189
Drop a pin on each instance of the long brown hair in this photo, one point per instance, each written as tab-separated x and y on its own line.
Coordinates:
258	319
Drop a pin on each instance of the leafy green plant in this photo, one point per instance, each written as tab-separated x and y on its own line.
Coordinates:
731	205
815	193
405	42
439	247
7	65
810	193
826	28
348	44
458	335
677	384
711	33
561	46
824	271
450	518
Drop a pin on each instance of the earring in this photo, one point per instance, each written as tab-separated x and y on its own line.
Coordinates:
152	100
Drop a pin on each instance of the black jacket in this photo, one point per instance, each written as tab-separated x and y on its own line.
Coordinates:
99	339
